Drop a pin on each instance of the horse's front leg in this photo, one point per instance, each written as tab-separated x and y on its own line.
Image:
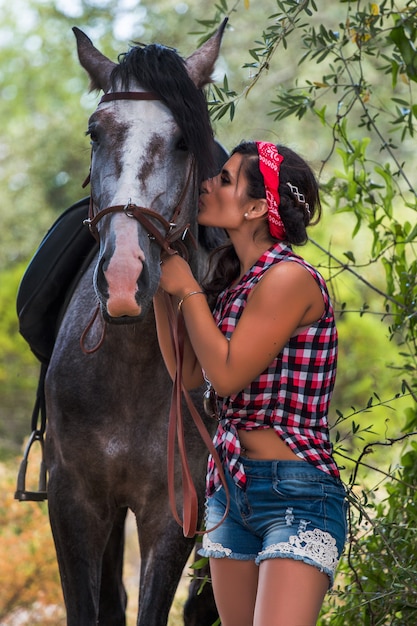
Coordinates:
113	597
164	553
81	527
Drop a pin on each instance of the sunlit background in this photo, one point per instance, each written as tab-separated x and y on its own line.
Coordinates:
44	158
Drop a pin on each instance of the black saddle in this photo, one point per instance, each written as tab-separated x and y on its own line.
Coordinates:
45	285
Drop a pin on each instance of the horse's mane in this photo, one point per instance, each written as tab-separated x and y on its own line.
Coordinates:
160	69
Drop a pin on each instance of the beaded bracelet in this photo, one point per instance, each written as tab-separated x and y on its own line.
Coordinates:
192	293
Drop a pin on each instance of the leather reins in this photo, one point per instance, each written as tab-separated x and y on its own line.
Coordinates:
171	243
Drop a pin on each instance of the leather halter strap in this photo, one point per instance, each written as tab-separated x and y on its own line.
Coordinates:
129	95
144	216
140	213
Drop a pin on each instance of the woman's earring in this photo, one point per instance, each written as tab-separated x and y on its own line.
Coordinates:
246	215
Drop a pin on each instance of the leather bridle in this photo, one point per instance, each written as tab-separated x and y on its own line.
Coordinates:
171	243
144	215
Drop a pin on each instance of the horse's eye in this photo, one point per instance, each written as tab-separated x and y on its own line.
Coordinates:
93	135
181	145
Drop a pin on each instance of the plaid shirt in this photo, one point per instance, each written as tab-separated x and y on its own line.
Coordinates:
292	395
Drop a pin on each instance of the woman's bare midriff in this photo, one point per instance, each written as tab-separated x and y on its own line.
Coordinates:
264	444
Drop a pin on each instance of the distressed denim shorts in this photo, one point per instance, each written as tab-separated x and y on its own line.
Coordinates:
290	509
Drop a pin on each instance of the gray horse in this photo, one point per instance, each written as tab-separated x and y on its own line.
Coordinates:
108	395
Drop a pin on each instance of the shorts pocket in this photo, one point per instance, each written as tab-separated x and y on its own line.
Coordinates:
298	489
305	499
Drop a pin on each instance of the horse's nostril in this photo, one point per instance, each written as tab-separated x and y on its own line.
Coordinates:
103	263
102	287
144	278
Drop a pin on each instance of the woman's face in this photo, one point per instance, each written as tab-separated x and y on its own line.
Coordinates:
223	200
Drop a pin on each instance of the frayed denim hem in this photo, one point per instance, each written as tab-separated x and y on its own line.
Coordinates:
225	553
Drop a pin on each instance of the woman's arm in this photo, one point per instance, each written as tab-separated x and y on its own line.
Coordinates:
191	371
286	299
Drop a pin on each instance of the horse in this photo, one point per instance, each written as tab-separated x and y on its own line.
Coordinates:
108	393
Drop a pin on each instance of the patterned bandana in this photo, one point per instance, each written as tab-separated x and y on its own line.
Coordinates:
269	163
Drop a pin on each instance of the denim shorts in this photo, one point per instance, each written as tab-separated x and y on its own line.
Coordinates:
289	509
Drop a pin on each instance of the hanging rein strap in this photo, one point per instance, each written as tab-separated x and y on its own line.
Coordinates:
176	431
172	242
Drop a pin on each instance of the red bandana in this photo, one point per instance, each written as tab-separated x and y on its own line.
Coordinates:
269	163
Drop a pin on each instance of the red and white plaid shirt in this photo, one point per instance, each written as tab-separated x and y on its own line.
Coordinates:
292	395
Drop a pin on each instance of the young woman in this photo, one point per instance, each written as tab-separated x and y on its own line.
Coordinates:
262	334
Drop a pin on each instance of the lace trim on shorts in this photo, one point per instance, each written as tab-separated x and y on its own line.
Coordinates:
208	544
315	544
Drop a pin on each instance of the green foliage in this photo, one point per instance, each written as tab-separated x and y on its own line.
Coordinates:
282	25
375	584
18	369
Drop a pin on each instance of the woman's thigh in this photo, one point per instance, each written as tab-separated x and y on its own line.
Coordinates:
290	593
235	586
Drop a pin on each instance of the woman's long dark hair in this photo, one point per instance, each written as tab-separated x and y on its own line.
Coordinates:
295	214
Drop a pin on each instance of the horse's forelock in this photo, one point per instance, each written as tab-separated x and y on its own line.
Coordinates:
160	69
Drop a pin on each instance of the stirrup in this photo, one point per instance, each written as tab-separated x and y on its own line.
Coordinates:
21	493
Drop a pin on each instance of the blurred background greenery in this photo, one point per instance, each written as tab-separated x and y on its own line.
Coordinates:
44	158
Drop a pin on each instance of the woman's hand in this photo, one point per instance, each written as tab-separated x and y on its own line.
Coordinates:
176	276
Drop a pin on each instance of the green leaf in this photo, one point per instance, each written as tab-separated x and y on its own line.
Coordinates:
407	50
350	256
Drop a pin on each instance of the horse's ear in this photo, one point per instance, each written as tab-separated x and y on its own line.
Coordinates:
200	64
97	66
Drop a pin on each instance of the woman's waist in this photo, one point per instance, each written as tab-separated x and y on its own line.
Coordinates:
289	470
264	443
275	442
